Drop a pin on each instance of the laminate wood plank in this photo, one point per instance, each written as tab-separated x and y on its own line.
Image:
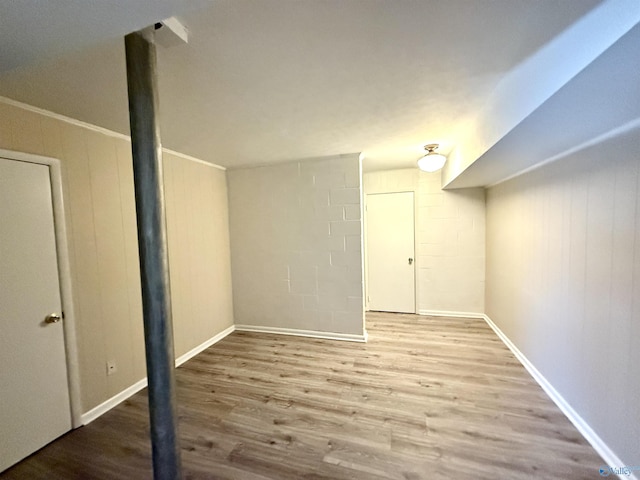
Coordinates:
425	398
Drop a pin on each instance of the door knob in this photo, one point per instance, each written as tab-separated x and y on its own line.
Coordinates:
52	318
410	261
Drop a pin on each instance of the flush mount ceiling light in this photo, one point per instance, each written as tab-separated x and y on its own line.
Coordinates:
432	161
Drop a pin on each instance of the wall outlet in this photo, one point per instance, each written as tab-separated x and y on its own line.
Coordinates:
111	367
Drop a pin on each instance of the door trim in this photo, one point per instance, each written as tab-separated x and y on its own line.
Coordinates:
64	274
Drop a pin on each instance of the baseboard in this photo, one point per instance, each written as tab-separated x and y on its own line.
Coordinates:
446	313
107	405
609	457
203	346
104	407
304	333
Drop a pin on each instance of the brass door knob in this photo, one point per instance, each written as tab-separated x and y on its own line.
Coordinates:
52	318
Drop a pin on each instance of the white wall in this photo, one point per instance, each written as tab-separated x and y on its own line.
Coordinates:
450	239
296	235
563	281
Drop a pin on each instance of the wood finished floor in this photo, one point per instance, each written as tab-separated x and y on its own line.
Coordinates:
425	398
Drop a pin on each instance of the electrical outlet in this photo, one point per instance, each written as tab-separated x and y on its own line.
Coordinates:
111	367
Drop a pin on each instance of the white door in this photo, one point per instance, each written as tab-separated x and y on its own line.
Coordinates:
34	393
390	252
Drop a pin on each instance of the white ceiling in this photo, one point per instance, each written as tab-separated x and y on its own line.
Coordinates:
273	80
600	103
33	29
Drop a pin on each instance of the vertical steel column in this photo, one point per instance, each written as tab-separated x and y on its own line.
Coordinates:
152	245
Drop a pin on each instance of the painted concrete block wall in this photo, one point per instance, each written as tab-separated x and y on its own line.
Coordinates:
199	251
450	239
563	281
296	235
101	224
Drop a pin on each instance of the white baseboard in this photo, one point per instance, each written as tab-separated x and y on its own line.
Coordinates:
446	313
203	346
107	405
609	457
304	333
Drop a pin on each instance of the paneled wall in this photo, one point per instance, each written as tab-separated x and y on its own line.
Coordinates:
199	255
563	281
450	239
100	215
296	235
101	223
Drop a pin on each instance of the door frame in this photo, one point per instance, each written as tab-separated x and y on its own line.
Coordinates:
64	274
415	243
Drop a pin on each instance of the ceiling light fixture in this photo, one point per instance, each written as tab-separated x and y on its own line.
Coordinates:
432	161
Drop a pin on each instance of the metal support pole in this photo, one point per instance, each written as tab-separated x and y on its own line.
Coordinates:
152	245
